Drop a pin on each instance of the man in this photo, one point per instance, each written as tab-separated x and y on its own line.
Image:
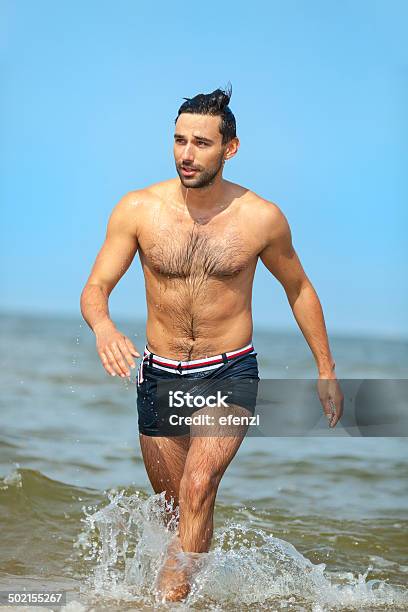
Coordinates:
199	238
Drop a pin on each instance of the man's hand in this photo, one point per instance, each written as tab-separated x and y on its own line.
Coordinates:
115	350
331	398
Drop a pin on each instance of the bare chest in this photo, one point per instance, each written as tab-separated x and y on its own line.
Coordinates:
198	252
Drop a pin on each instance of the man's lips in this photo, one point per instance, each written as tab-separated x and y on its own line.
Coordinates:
188	171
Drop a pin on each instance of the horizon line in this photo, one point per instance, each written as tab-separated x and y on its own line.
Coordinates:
339	333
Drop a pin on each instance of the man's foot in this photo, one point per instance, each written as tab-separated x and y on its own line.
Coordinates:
172	581
177	594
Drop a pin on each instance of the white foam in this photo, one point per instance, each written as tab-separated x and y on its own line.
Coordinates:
124	542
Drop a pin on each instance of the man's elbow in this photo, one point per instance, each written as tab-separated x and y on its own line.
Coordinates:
295	289
97	283
92	288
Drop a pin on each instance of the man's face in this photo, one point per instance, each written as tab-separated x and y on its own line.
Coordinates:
198	149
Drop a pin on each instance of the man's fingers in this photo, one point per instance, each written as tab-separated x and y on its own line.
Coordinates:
113	362
107	365
331	398
132	347
120	360
117	353
124	347
335	410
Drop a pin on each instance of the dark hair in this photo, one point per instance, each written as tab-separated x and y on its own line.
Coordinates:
215	103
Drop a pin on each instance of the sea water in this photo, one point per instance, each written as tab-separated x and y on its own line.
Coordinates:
310	523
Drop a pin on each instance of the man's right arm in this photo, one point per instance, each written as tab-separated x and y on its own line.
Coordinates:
112	261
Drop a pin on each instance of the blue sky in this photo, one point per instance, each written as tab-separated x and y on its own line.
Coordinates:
90	91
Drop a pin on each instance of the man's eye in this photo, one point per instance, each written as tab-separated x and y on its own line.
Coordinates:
201	142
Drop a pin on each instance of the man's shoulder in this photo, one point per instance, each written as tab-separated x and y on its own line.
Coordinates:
263	210
148	196
138	198
130	212
139	201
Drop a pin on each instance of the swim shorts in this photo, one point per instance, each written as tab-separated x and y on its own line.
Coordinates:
168	389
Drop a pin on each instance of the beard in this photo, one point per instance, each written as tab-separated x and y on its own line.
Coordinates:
203	178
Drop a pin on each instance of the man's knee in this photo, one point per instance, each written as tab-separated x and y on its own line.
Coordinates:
196	488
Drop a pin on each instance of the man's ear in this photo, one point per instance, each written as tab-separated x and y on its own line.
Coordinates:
231	148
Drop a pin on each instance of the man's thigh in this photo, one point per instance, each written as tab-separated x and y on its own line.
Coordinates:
164	459
212	447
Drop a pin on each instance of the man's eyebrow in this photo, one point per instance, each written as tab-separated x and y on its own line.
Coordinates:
196	137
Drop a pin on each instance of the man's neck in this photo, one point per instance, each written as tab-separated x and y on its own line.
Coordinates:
204	198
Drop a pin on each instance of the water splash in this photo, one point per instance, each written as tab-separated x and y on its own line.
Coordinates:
125	542
124	546
12	479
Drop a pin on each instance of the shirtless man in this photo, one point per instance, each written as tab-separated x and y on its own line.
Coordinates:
199	238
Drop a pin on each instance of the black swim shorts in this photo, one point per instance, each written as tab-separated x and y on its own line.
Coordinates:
170	390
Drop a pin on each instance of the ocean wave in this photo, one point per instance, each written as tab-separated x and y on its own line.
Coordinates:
111	546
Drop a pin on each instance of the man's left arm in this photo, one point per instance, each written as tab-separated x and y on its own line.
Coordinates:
280	257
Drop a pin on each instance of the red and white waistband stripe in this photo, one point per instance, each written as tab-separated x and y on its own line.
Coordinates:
199	365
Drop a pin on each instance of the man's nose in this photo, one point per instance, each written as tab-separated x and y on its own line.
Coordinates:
188	153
